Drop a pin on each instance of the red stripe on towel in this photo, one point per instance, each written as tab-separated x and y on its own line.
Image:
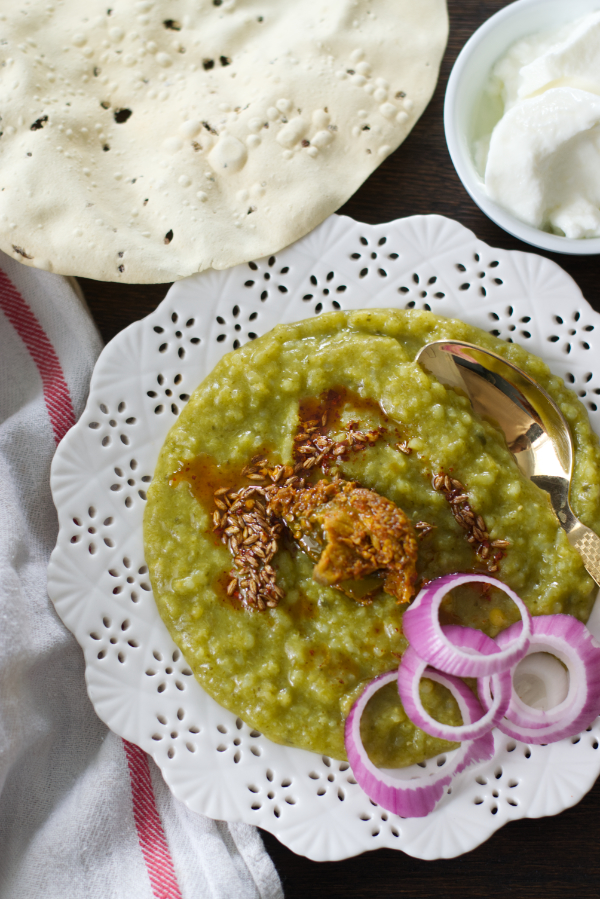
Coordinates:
151	836
56	390
150	831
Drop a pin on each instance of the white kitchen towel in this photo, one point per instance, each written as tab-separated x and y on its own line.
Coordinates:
82	812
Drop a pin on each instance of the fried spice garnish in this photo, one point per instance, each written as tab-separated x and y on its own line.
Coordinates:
358	531
351	532
314	448
488	550
252	533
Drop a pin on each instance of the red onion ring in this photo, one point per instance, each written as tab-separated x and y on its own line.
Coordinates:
416	797
569	640
413	668
422	628
467	652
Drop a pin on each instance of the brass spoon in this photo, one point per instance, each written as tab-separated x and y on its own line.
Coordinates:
536	431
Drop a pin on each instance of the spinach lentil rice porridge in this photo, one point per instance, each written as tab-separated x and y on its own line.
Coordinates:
338	404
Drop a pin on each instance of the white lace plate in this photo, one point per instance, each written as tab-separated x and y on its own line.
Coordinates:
137	679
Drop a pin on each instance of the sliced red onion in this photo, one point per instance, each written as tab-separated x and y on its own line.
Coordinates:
416	797
413	668
424	632
541	681
570	641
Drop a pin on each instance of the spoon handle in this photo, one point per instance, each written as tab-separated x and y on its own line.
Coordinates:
581	538
587	544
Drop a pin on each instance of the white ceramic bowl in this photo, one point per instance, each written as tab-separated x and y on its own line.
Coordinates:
467	79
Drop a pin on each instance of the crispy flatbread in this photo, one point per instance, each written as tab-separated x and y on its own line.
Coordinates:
145	141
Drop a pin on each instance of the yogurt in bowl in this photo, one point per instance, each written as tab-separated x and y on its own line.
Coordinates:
542	159
522	121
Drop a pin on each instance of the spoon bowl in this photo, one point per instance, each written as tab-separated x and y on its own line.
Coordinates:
536	431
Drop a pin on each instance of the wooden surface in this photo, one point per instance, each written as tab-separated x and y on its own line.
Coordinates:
533	859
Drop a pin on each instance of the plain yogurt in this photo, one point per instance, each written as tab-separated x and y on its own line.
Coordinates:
542	158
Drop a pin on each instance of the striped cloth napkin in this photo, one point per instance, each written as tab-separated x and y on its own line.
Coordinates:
82	812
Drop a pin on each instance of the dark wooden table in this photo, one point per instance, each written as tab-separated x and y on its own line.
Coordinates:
546	858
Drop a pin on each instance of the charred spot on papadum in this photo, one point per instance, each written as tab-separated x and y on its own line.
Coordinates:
21	252
172	25
169	236
39	123
121	115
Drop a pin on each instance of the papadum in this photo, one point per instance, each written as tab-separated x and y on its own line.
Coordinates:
146	141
